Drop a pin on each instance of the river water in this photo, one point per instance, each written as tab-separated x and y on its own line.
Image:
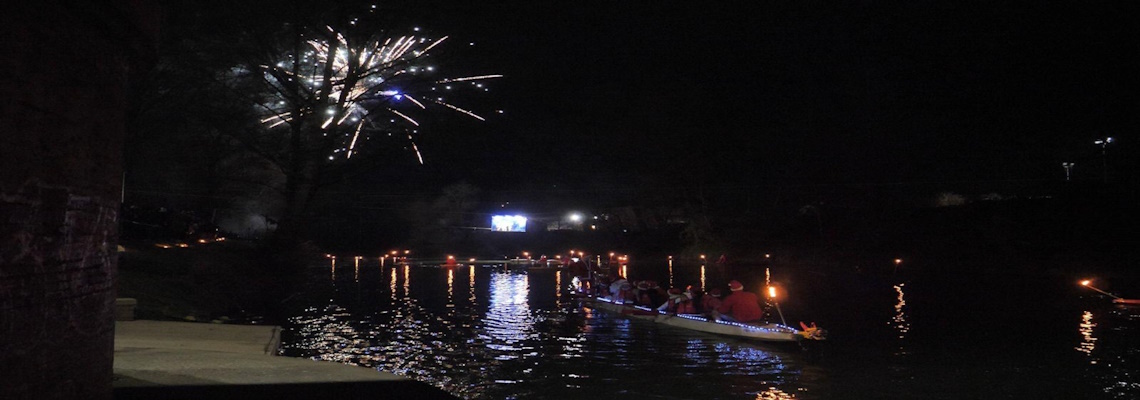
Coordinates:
485	333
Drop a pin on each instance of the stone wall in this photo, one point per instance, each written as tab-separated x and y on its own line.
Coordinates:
63	97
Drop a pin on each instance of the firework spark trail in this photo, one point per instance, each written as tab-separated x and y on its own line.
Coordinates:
469	78
434	44
282	118
352	146
417	149
409	119
473	115
346	115
404	49
417	102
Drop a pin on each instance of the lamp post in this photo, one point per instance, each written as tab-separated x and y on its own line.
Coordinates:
1068	169
1103	143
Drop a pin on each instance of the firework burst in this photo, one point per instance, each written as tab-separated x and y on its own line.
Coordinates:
349	86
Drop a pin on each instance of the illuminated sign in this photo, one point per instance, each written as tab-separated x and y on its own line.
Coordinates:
508	223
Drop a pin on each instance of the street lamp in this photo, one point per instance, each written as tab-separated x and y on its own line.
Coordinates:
1103	143
1068	169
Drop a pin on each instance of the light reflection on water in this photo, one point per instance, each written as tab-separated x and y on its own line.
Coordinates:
703	278
450	288
1111	343
774	394
899	321
522	335
1085	328
509	323
392	288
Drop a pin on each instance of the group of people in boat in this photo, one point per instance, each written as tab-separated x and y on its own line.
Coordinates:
739	305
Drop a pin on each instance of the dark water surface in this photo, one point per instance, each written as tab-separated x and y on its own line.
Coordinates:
481	332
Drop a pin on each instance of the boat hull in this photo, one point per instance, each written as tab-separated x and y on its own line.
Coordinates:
764	332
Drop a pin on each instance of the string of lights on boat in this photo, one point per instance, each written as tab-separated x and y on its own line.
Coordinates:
747	327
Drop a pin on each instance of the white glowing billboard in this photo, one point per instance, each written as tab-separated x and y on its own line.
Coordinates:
508	223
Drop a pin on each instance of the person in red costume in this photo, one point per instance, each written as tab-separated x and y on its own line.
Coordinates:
711	301
740	306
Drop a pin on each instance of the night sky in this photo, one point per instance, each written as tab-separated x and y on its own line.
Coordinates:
781	93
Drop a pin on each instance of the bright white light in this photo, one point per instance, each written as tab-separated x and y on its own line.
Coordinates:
576	217
508	223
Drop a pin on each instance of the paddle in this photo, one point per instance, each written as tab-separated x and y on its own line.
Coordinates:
772	294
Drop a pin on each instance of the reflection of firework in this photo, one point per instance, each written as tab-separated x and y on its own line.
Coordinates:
344	83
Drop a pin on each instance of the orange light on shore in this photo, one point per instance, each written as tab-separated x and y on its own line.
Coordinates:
1085	282
772	291
898	261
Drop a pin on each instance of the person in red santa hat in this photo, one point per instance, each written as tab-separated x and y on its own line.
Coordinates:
680	302
740	306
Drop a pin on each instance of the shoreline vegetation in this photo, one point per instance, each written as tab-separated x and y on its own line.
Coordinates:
231	281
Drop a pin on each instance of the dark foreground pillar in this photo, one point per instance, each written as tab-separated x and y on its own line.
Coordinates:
63	87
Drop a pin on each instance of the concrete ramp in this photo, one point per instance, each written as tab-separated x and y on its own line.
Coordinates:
167	360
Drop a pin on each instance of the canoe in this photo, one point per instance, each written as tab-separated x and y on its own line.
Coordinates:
762	332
